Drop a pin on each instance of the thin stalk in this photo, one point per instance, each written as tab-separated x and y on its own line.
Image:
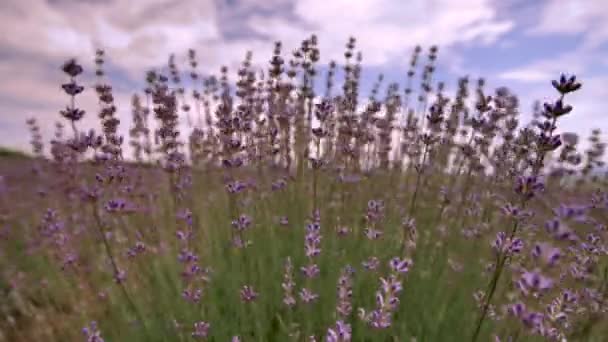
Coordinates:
418	179
110	255
501	262
414	196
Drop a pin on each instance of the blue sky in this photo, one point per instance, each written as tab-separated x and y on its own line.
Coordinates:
521	44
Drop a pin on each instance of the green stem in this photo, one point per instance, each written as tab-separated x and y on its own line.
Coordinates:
110	255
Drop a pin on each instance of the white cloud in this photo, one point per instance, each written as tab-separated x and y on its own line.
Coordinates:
568	17
138	35
546	69
526	75
61	39
387	29
589	19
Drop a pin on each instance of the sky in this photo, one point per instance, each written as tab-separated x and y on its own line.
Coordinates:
520	44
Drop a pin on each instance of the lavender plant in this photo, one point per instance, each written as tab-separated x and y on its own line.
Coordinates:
279	212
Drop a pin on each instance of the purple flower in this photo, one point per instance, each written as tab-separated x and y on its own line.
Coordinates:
186	256
552	225
72	68
92	333
515	212
371	264
235	187
341	332
191	270
120	276
186	215
569	297
559	231
528	186
323	110
517	309
119	205
69	259
312	240
248	294
201	329
377	319
310	271
375	210
279	184
308	296
534	281
342	230
344	306
503	244
372	233
242	223
532	319
316	163
550	255
288	284
391	285
72	114
386	303
283	221
183	235
566	84
239	243
400	265
193	296
233	162
497	339
72	88
313	227
556	109
311	249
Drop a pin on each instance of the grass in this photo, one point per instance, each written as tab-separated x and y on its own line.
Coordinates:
9	153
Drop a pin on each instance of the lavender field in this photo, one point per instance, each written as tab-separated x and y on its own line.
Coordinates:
295	207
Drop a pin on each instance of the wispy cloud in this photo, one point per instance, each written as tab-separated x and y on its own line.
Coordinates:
560	20
138	35
550	67
569	17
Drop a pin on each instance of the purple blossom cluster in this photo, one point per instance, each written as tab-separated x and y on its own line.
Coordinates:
387	298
